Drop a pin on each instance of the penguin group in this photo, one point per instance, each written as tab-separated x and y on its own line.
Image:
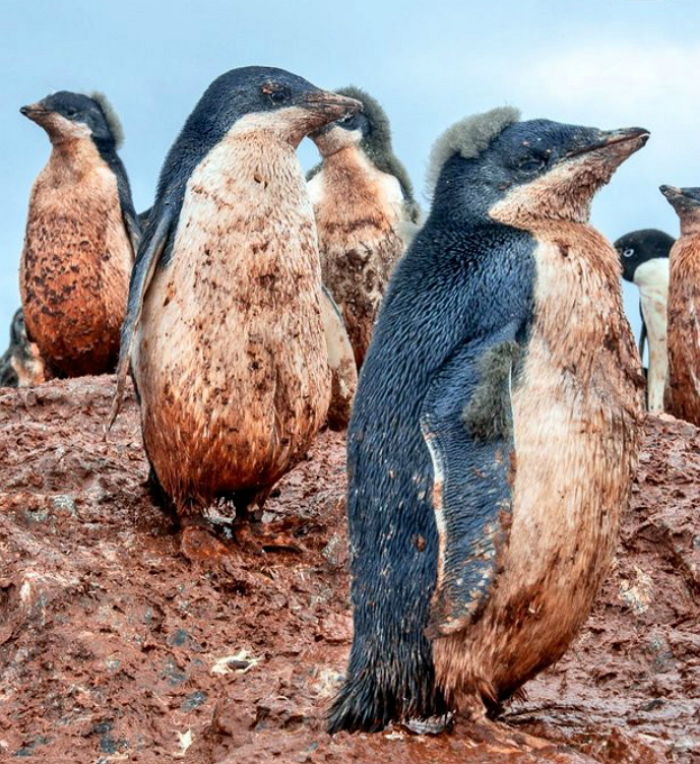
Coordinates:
478	356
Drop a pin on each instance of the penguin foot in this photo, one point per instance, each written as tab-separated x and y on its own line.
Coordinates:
433	725
277	536
495	733
199	544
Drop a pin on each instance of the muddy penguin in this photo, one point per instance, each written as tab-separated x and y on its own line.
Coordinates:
363	203
224	328
494	433
21	365
340	356
644	258
81	235
683	385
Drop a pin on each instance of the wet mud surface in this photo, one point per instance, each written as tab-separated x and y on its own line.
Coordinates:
115	647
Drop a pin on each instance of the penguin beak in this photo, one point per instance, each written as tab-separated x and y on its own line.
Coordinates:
35	111
670	191
331	105
688	197
612	141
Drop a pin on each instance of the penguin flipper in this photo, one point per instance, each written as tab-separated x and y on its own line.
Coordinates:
133	229
148	256
341	360
642	335
467	426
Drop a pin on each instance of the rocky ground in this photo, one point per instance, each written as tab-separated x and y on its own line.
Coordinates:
115	647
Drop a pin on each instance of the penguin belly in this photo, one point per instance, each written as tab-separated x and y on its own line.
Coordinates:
357	209
683	389
75	268
230	360
576	403
652	279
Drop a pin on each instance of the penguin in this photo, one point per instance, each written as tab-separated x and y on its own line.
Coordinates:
363	203
682	397
495	428
81	235
644	258
21	365
224	323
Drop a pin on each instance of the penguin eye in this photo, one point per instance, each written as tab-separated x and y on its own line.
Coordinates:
532	163
276	93
349	122
628	252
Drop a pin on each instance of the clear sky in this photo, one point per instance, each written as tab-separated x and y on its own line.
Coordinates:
609	63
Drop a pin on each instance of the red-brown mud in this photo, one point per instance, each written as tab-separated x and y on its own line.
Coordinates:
114	647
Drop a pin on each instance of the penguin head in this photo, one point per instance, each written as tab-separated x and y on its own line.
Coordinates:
269	99
686	203
639	247
494	166
69	116
368	128
18	330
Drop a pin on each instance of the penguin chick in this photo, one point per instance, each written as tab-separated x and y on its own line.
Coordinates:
477	549
683	384
80	239
363	203
21	364
224	327
644	258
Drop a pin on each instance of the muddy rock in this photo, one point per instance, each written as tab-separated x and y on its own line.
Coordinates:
114	647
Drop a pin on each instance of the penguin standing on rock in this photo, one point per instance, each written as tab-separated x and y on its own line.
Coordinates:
224	327
363	203
683	385
81	236
494	434
644	258
21	365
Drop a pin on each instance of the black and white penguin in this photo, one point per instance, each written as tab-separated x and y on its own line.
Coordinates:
224	327
495	428
81	235
364	206
644	258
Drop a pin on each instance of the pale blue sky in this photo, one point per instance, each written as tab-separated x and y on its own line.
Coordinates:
609	63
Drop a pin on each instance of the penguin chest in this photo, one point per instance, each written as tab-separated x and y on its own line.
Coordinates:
683	390
75	266
576	407
231	361
358	210
652	279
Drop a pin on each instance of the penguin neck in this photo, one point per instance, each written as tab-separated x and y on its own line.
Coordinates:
690	224
74	157
261	156
347	154
652	276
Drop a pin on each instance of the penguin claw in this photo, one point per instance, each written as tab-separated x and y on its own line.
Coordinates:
433	725
199	545
496	733
270	537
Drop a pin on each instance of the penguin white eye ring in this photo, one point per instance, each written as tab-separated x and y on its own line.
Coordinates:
628	252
